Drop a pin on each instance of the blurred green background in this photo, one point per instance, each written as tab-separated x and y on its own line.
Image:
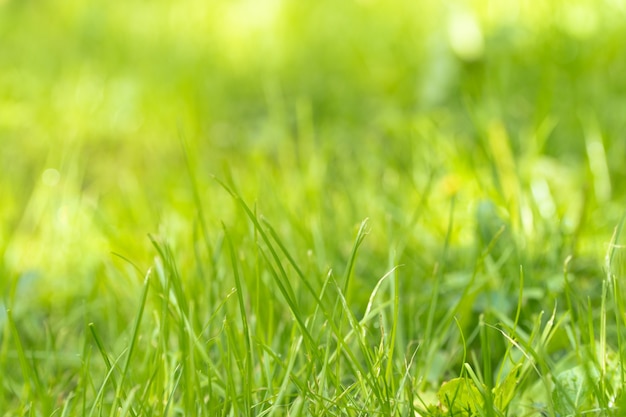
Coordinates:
323	112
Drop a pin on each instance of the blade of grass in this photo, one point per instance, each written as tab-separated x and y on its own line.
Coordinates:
281	278
247	371
195	192
32	383
360	237
133	340
487	371
97	402
369	365
103	353
615	284
395	318
178	374
290	301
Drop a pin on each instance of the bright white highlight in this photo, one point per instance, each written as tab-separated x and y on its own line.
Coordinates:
466	37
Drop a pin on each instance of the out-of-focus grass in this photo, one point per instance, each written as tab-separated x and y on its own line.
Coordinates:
99	92
439	123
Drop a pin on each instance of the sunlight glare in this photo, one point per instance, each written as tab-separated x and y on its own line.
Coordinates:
466	37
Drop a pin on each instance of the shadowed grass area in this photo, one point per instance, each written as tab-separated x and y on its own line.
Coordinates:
327	208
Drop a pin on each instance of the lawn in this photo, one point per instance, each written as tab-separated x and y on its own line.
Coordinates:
312	208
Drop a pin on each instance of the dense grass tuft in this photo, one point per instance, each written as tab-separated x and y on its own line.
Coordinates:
284	208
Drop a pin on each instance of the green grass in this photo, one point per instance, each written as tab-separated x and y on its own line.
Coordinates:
287	208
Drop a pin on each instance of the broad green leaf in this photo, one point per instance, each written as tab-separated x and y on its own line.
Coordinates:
573	391
504	392
460	396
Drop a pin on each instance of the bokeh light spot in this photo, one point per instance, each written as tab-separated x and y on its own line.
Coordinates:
466	37
51	177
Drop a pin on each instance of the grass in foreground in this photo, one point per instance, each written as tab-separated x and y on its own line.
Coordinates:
253	327
370	213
